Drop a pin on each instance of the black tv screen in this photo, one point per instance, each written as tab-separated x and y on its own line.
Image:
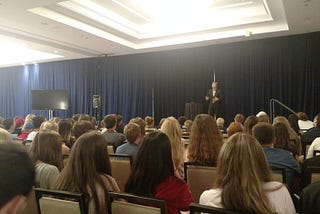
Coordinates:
50	99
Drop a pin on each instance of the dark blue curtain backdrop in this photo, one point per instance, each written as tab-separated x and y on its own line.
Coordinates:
250	73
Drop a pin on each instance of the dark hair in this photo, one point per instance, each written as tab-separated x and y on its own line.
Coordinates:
249	123
181	120
7	123
302	116
317	117
81	127
152	166
293	121
17	172
110	121
37	121
65	127
263	132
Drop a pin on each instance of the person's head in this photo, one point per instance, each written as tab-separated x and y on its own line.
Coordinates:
239	118
152	166
188	124
84	117
249	123
242	166
19	122
234	128
181	120
88	161
132	132
161	122
214	85
37	121
262	117
75	117
29	118
302	116
141	123
220	122
64	130
16	177
149	121
9	124
46	147
282	138
205	140
264	133
110	121
81	127
49	125
171	128
316	120
293	121
4	136
119	120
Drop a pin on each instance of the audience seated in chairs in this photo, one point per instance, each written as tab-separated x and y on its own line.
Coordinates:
171	128
262	117
81	127
65	126
264	133
220	123
47	154
16	177
315	145
88	171
141	123
205	141
244	180
304	122
119	127
26	130
149	124
153	174
132	132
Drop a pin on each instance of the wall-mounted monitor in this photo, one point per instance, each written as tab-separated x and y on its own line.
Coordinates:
50	99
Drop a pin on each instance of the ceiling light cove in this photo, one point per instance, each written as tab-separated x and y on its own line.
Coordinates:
152	23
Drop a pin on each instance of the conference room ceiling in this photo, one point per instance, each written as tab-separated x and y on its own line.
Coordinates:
59	30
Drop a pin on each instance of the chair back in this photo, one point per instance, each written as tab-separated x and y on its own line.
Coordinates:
199	178
316	152
62	202
313	174
198	208
278	174
120	203
120	168
30	205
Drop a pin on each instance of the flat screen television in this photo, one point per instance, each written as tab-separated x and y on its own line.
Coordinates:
50	99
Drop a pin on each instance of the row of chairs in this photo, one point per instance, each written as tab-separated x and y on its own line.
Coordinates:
52	202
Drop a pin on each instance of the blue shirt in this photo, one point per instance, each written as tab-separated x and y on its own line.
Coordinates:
283	158
128	149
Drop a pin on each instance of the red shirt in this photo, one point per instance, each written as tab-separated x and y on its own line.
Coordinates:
24	135
176	193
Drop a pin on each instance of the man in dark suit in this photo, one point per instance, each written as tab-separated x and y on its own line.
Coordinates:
214	96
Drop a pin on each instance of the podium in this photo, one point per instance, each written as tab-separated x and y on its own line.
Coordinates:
192	109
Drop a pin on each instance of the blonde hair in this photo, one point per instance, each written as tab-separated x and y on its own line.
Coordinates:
171	128
4	136
27	119
49	125
242	169
205	140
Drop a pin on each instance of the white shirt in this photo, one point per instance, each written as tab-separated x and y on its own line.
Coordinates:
279	199
315	145
32	135
305	125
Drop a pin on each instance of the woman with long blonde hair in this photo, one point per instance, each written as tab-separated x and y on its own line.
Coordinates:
243	182
171	128
205	141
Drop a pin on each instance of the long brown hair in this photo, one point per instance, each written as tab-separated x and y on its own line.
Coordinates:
46	147
88	160
205	140
242	168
